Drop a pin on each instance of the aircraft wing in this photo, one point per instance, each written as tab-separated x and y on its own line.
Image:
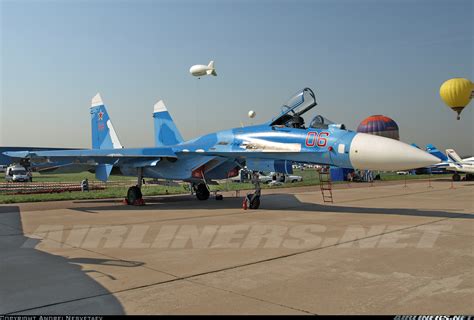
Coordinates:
102	156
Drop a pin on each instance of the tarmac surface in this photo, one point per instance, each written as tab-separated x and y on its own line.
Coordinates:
387	248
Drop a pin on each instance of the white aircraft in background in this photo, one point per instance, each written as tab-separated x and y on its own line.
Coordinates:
455	163
199	70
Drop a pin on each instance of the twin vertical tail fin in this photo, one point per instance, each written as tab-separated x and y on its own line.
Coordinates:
103	134
453	156
434	151
166	132
212	69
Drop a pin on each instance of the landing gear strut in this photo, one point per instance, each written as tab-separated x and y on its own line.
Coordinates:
252	200
202	191
134	194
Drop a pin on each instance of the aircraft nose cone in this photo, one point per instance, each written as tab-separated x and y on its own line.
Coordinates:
369	152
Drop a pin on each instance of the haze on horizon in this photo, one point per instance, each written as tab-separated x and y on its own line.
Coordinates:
361	58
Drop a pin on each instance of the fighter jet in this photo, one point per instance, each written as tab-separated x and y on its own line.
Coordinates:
453	162
271	146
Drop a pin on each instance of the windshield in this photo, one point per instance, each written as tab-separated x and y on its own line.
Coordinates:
19	172
320	122
292	110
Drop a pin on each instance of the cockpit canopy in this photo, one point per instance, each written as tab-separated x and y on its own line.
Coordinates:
292	111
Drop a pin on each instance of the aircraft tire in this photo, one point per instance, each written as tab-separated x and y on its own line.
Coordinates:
202	193
456	177
133	194
255	203
469	177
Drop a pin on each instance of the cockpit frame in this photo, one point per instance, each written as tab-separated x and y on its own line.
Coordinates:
292	112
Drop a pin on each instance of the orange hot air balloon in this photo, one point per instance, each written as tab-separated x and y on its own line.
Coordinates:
457	93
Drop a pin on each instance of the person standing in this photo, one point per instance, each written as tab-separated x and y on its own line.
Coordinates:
85	185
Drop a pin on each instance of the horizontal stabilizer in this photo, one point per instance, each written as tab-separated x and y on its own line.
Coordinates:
211	72
17	154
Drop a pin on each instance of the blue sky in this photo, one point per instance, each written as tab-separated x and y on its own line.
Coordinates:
361	58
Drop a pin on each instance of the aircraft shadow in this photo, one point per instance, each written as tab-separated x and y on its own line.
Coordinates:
32	279
277	202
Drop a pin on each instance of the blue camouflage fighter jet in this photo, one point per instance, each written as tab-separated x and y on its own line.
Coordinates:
271	146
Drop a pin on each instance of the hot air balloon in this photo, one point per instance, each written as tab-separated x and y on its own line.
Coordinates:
379	125
457	93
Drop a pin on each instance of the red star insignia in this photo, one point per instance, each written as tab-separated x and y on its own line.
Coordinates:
101	115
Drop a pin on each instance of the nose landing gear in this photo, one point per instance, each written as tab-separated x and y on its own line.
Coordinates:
252	200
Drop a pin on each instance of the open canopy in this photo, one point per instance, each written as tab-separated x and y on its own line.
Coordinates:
298	105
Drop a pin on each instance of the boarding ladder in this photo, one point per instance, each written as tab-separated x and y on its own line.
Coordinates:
325	184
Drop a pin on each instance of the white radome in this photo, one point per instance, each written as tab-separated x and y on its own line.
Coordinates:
370	152
252	114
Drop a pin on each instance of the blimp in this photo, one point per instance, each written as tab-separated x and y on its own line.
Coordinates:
199	70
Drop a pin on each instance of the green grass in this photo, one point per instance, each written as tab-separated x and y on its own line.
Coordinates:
391	176
75	177
310	178
112	192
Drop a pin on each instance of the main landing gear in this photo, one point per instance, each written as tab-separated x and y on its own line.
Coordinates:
134	194
469	177
201	190
252	200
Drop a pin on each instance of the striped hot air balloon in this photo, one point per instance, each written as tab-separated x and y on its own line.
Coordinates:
379	125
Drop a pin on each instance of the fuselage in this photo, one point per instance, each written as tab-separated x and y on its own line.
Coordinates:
466	166
266	142
214	155
199	70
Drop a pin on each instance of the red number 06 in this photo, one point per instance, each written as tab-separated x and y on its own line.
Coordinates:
313	138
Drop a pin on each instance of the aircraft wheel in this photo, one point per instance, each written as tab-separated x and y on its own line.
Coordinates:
456	177
469	177
202	193
255	203
134	194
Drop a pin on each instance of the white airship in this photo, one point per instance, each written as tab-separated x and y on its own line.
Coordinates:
199	70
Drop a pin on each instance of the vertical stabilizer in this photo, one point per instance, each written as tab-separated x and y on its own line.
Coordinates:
166	132
453	156
103	135
434	151
103	132
212	69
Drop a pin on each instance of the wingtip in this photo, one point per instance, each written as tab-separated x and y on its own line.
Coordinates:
159	107
97	100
